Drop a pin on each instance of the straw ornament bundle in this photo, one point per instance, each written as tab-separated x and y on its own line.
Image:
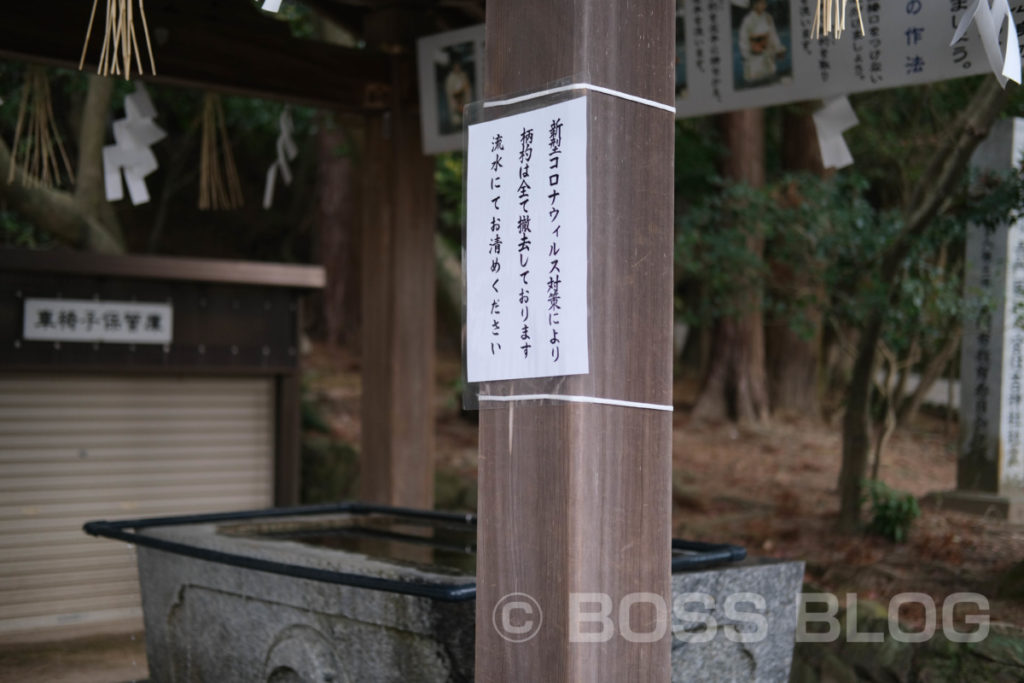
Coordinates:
120	39
830	18
36	138
219	185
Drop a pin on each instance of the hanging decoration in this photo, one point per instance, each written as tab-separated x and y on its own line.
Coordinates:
830	18
286	152
130	154
38	150
990	19
120	39
219	185
830	122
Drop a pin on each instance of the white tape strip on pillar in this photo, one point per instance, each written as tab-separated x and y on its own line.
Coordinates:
581	86
830	122
130	155
286	152
989	19
575	399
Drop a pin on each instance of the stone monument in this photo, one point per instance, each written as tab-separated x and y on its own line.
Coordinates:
990	468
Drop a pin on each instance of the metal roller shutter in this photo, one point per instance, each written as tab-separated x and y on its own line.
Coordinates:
77	448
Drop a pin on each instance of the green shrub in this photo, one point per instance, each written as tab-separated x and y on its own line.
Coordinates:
330	467
892	511
330	470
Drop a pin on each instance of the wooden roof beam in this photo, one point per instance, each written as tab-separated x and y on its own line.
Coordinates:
212	45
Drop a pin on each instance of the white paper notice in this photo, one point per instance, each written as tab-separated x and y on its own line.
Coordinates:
526	245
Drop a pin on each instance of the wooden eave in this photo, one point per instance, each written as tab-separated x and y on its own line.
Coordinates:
224	45
164	268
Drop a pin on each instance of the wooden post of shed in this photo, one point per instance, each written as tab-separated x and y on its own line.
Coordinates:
575	497
397	462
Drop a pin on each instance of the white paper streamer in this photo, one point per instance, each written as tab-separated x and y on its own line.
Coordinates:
286	151
271	5
989	19
830	122
130	154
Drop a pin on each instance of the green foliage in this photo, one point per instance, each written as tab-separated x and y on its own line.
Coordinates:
827	231
892	511
15	231
329	467
455	491
698	148
330	470
899	130
816	228
448	179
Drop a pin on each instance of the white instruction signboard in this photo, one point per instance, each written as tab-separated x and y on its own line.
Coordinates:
526	245
87	320
738	54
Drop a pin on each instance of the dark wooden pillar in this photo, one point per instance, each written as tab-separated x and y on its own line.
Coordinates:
287	459
575	498
397	465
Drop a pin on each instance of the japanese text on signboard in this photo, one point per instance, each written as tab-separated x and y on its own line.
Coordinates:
83	320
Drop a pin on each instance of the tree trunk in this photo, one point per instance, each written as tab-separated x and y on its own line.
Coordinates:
337	224
793	368
800	149
90	193
946	168
733	388
736	386
794	360
337	310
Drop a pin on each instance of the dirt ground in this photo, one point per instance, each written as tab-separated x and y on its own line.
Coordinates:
771	490
115	658
774	492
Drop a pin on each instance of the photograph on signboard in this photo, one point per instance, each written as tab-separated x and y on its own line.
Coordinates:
680	48
450	76
453	74
761	43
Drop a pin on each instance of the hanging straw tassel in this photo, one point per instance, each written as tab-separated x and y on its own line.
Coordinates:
36	136
219	186
830	18
120	39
